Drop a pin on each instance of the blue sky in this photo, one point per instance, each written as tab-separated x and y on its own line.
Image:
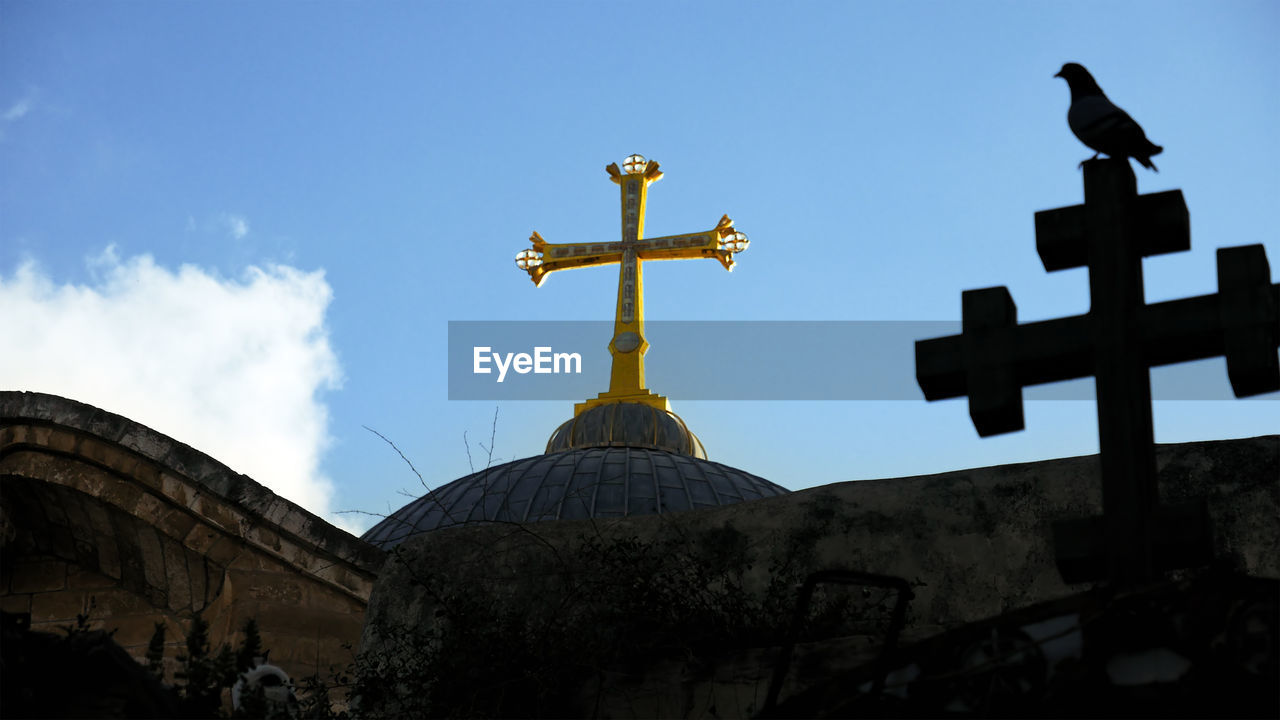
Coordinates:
248	224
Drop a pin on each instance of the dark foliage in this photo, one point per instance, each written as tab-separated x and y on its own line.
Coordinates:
617	607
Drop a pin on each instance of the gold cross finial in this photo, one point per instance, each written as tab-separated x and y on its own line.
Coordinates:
628	347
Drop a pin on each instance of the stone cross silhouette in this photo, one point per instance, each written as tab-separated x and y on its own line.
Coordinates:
1117	342
628	346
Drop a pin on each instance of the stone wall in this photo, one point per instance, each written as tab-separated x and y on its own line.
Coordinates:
973	544
102	515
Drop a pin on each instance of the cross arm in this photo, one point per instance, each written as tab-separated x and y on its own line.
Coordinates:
1160	220
995	357
714	243
1240	322
545	258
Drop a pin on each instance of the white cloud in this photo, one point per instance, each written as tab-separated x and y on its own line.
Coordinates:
17	110
236	225
232	367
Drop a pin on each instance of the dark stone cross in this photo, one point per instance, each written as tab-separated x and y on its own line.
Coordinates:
1117	342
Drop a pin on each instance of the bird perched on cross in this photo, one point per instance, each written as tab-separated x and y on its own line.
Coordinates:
1098	123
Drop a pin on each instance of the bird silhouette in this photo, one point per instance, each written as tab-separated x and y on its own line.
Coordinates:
1098	123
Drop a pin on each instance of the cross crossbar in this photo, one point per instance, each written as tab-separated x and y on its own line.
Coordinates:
628	346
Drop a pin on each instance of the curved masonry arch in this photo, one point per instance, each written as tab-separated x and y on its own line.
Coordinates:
97	508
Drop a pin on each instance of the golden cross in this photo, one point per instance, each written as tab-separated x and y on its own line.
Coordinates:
628	346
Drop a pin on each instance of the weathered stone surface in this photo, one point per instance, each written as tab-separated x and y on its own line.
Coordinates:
150	526
79	578
108	555
38	576
177	580
973	543
119	602
197	573
15	603
60	606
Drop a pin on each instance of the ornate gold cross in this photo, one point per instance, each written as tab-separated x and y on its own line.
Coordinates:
628	346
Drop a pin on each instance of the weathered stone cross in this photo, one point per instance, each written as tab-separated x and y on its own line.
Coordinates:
1117	342
628	346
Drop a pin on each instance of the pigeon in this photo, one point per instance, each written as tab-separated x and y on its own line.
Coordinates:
1100	124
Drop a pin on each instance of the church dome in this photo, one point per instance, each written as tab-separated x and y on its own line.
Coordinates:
627	424
591	482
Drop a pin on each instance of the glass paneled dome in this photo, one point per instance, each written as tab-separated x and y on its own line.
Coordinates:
582	482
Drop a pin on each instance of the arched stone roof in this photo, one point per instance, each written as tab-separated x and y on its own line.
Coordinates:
157	478
88	496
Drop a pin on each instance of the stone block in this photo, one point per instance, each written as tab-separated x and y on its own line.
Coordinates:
148	474
129	466
149	508
198	571
299	557
20	603
225	550
13	435
79	578
152	556
157	596
132	574
92	482
275	511
176	522
351	581
62	606
61	441
56	513
98	451
252	559
201	537
146	442
86	554
108	555
295	522
177	489
120	602
94	421
40	434
192	463
178	583
39	576
121	494
221	515
73	504
264	537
